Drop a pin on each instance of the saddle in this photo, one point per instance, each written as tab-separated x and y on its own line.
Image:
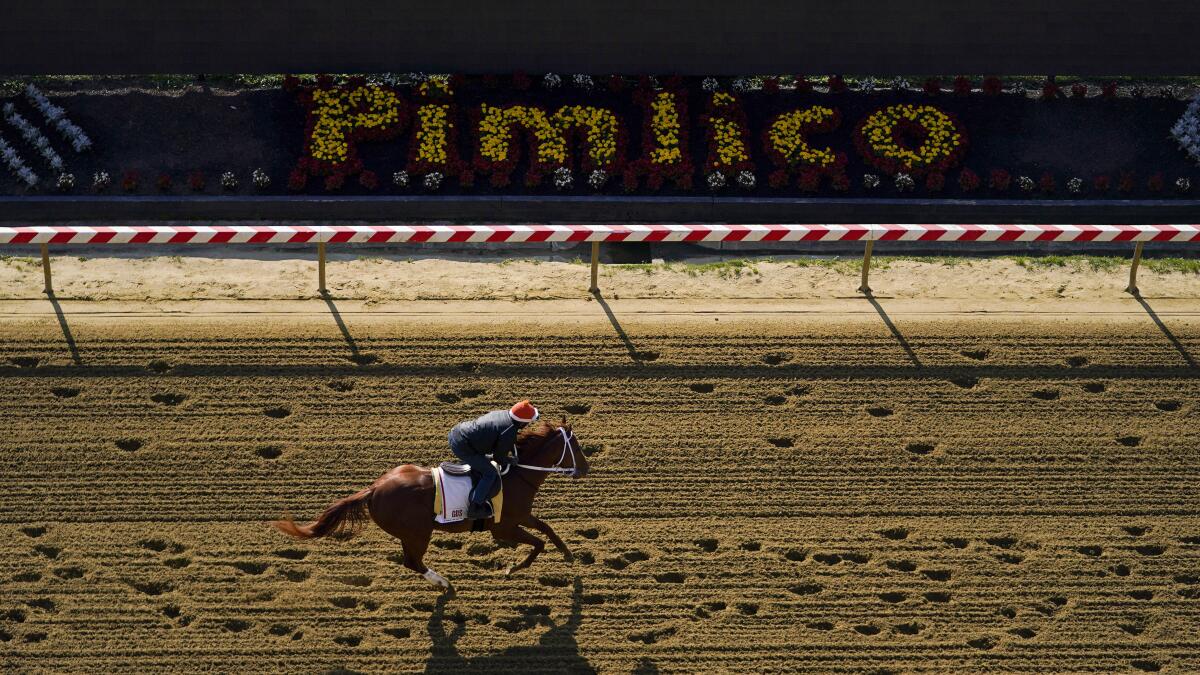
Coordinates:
452	484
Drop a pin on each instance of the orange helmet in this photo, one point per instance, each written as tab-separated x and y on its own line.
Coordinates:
523	412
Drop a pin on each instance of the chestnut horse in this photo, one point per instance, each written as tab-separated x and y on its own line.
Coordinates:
401	502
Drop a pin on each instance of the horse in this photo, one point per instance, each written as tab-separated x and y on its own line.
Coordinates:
400	502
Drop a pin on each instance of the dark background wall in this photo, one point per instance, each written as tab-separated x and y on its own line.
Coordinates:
1014	37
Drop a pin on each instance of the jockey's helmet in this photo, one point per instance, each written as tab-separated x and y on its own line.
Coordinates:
523	412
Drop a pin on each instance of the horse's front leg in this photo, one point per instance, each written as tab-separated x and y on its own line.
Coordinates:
545	529
519	536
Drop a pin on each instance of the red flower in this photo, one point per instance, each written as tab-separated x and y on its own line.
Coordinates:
962	85
771	85
1155	182
968	180
933	86
290	83
1126	182
1101	183
777	178
1079	90
297	180
935	182
324	81
840	181
629	181
334	182
1046	183
809	181
673	82
803	86
1000	180
992	85
369	180
164	182
1050	90
521	81
616	83
129	182
837	84
1109	90
490	81
466	177
500	180
196	181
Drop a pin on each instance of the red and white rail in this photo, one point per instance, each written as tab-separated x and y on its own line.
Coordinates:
531	233
487	233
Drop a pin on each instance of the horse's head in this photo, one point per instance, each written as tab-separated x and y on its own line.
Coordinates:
552	448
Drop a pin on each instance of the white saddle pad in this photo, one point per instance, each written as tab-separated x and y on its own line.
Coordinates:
455	493
452	494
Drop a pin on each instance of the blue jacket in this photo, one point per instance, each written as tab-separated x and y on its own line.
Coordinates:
493	434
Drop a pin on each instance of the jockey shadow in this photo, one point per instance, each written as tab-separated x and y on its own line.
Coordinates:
556	650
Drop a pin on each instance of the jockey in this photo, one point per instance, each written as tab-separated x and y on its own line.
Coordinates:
492	435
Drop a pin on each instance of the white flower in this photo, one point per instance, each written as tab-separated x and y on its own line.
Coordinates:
229	181
870	181
66	181
597	179
56	116
1026	183
583	81
1183	184
33	136
260	178
15	164
899	83
551	81
866	84
740	84
400	179
716	180
745	179
904	182
433	181
101	180
1187	130
1075	185
710	84
563	180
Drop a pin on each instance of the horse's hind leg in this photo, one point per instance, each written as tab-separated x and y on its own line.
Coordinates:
414	553
545	529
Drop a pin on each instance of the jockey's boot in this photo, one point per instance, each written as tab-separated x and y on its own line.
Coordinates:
479	511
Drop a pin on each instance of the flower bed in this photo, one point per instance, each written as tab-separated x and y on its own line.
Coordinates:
607	135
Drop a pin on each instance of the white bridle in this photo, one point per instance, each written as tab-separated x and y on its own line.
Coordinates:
567	437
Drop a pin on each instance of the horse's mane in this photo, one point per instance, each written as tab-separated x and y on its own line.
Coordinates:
535	435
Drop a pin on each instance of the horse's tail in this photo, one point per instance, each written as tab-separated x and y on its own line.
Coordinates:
342	519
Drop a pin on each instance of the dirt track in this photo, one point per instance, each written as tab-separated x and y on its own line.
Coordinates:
770	491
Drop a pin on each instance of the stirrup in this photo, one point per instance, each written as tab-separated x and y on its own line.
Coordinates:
479	511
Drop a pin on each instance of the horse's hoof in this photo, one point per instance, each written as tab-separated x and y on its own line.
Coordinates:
568	557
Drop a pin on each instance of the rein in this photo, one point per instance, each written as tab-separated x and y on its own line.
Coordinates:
558	467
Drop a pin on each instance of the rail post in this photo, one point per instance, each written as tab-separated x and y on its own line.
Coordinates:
1132	288
595	287
49	289
321	266
866	267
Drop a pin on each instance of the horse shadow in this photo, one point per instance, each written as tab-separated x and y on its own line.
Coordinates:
556	650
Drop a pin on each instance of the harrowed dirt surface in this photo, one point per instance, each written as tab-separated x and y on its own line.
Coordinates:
854	485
